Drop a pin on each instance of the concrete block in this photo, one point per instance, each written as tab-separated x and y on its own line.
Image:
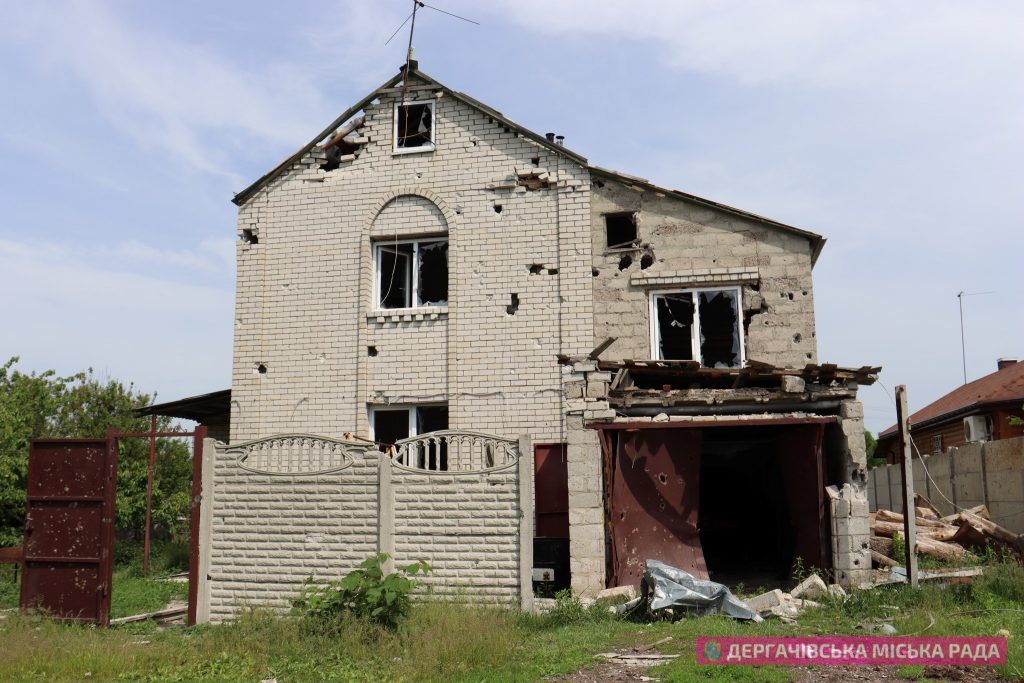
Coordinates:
811	587
793	385
766	601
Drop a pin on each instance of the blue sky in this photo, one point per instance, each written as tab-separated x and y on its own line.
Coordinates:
894	129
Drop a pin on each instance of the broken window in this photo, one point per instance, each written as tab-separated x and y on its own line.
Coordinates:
700	324
414	126
392	424
620	228
412	273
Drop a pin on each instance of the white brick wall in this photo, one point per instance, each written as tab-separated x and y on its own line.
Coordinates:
304	302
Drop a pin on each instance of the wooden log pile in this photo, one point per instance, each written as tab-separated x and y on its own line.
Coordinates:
948	538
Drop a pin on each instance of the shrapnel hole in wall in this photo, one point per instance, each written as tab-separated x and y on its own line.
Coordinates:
250	236
514	306
498	208
536	269
371	350
625	262
620	229
646	261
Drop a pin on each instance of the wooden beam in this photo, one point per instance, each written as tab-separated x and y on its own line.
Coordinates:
907	472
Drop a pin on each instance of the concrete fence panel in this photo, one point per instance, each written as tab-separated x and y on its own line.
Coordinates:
281	509
989	473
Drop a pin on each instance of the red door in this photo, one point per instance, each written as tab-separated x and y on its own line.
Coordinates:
551	491
69	528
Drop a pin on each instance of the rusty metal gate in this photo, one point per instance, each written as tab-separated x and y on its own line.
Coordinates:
655	498
69	528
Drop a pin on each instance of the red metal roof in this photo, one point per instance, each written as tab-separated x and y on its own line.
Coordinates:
999	387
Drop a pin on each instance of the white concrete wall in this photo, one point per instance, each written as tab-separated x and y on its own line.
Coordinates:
989	473
267	533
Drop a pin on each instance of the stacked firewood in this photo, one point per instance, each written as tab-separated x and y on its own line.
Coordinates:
948	538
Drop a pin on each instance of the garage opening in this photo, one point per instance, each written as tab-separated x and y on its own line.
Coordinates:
733	503
762	504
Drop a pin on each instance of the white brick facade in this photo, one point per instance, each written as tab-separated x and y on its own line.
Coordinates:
307	316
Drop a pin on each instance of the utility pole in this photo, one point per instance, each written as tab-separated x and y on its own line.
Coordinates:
907	472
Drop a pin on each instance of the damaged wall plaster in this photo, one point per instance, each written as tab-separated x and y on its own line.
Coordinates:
682	238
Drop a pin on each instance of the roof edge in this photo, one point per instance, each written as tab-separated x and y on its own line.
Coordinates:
244	196
965	411
817	241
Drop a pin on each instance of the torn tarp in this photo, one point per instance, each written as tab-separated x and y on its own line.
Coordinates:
672	592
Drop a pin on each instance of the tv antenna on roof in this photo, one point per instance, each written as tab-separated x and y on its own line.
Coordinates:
416	4
963	345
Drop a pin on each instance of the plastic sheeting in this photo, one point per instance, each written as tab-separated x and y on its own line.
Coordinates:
672	592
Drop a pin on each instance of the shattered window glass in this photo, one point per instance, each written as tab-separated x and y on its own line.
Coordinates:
701	325
433	273
394	265
675	326
719	328
411	274
415	126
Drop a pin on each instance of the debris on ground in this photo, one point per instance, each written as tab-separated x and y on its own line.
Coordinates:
947	538
788	606
670	592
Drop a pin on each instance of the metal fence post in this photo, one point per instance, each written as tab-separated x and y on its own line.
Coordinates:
526	514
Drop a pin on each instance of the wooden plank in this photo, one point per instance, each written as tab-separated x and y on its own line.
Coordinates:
156	616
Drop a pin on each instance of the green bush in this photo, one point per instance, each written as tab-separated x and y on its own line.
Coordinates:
365	593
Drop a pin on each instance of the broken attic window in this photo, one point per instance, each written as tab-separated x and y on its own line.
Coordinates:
414	126
412	273
701	325
620	229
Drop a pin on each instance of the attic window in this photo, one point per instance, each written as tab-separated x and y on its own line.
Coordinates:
620	229
698	324
414	127
411	273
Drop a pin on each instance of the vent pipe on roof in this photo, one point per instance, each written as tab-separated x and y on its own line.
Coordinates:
1006	362
560	140
550	137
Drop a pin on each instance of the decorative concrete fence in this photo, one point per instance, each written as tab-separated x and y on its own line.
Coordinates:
989	473
280	509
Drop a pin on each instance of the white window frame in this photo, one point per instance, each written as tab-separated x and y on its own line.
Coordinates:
412	287
410	411
433	129
695	326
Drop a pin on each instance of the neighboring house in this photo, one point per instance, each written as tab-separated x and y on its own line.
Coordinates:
982	410
426	267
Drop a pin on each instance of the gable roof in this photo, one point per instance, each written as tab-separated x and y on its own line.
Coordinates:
817	241
248	192
1002	386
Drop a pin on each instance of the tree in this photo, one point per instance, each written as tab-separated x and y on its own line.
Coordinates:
870	444
46	405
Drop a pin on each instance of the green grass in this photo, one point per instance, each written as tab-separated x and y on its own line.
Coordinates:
445	642
131	594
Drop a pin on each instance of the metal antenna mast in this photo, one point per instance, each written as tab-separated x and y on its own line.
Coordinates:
963	344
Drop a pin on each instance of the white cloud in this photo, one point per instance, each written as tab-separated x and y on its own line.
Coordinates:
168	94
825	43
69	313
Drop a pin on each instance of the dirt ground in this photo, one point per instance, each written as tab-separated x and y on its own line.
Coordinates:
616	671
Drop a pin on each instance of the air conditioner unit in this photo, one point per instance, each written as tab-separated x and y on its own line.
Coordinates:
978	428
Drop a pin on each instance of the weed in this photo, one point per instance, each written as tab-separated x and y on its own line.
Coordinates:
366	594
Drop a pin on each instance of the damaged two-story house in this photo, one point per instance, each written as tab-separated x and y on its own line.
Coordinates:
427	269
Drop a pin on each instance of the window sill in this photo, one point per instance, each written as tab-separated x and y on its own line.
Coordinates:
395	315
398	151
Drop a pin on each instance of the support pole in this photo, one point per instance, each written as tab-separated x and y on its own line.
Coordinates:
907	472
149	493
